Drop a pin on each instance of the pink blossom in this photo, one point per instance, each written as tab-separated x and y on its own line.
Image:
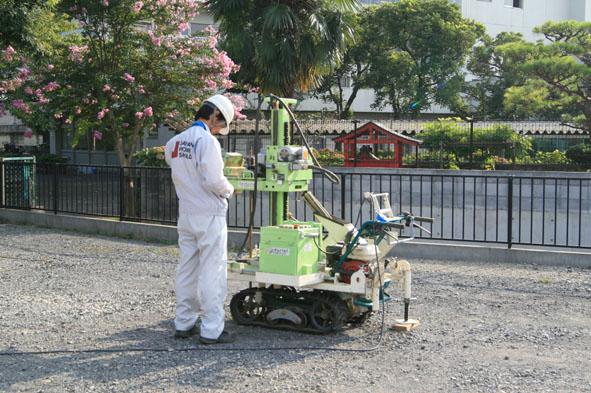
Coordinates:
141	89
28	90
68	121
139	115
77	110
102	113
28	133
9	53
105	3
39	93
155	40
148	112
228	84
51	86
106	88
43	101
114	97
77	52
239	103
50	67
24	72
96	134
21	105
58	115
128	77
137	7
183	26
125	125
85	101
211	84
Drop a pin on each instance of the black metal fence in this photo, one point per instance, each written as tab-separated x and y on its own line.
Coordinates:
524	210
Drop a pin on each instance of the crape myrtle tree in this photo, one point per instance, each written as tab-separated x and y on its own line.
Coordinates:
418	53
30	31
558	74
129	66
284	46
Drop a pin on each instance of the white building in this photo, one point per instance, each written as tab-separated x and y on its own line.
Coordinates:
520	16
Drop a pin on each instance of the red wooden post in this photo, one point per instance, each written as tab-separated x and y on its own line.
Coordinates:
398	155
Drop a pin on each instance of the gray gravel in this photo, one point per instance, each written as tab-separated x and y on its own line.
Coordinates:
485	328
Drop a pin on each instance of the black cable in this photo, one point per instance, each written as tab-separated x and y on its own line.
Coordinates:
321	250
331	175
359	213
255	190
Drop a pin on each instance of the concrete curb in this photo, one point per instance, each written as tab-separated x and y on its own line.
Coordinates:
419	249
485	253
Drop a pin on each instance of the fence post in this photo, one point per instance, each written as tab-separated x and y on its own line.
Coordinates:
55	188
343	193
121	188
471	142
2	186
509	212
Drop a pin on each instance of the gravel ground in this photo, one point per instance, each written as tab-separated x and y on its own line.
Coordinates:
484	328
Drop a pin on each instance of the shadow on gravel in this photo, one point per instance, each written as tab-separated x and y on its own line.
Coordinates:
182	362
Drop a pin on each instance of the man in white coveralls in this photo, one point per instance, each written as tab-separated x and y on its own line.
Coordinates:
195	158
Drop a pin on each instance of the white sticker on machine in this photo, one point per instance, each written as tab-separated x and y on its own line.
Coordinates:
278	251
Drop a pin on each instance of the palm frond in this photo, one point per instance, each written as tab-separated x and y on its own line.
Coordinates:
278	17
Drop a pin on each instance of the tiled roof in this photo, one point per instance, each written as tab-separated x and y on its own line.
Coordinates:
407	127
362	128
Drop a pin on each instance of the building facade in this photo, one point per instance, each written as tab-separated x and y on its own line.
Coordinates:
519	16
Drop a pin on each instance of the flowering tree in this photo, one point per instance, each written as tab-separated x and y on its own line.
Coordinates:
128	66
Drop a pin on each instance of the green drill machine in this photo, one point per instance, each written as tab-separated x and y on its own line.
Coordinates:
313	276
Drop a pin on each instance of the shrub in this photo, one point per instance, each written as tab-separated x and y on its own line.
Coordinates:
151	156
499	140
50	159
581	153
327	157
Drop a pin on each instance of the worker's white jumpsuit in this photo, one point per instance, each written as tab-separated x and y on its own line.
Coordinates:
197	172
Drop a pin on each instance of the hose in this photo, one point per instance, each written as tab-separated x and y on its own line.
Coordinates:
331	175
255	190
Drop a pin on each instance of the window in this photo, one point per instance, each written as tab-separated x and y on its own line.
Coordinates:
514	3
198	27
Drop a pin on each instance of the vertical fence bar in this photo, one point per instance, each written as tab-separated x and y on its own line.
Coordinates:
343	196
566	242
55	188
121	180
543	211
555	209
509	212
2	184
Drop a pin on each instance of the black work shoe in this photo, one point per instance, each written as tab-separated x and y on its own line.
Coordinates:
188	333
224	338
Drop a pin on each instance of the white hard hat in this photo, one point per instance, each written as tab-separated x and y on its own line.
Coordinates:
225	106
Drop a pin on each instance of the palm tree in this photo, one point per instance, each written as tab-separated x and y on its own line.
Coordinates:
284	46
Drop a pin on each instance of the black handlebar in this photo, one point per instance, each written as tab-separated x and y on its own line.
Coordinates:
424	219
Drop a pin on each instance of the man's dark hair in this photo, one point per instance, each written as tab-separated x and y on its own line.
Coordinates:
205	111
